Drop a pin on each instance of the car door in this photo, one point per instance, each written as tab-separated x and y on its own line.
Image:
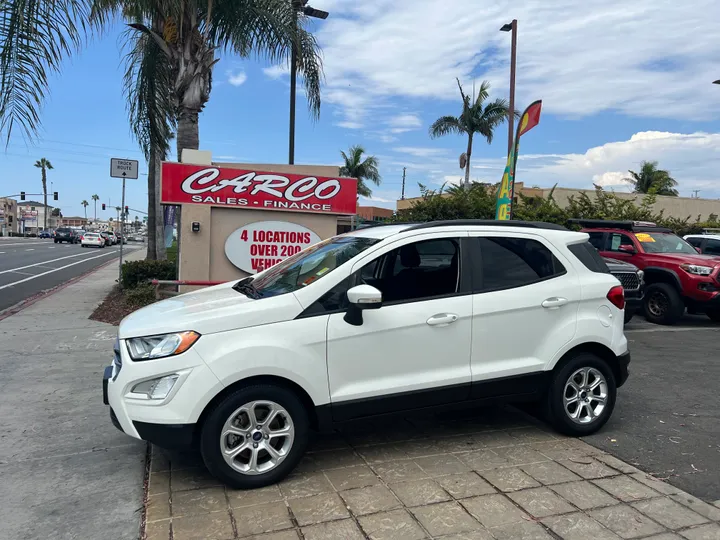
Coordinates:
712	247
616	243
525	303
414	351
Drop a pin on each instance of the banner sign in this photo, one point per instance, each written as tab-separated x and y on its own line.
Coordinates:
506	194
260	245
237	188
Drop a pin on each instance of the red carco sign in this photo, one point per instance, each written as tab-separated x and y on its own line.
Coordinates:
217	186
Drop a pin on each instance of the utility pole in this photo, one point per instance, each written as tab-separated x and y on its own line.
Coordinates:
402	196
511	27
696	191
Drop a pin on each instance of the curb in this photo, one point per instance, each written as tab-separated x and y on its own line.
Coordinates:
17	308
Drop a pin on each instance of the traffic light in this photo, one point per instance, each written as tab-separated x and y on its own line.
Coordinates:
126	210
103	206
55	195
22	195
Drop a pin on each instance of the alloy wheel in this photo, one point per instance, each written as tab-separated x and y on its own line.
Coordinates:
257	437
658	304
585	396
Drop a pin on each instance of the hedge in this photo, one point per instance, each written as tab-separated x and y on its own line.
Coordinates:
136	273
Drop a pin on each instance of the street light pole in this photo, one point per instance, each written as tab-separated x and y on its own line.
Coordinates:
511	27
300	6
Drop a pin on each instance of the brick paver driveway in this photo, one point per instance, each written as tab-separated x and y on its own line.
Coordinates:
496	475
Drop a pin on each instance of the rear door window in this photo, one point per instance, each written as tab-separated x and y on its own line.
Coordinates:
712	247
597	240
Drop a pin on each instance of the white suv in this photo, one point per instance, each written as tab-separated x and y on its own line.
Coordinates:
385	319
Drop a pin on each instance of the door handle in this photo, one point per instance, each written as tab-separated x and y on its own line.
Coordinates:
442	319
554	302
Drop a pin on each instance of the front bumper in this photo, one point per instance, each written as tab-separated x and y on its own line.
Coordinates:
623	362
169	422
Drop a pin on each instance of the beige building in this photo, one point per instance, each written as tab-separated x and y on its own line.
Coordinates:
31	215
8	216
678	207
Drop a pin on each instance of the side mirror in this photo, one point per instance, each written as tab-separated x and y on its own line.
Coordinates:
361	297
625	248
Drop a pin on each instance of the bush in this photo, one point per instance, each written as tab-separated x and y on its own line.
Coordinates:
135	273
140	296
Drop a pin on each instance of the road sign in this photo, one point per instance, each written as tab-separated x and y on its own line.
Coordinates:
123	168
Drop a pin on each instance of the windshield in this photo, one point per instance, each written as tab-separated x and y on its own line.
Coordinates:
309	265
664	243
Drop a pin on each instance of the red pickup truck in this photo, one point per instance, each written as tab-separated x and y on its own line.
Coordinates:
677	277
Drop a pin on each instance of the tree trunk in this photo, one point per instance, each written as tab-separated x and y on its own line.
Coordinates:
188	133
159	225
95	218
467	164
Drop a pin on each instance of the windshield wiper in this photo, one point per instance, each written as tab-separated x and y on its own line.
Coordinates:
246	287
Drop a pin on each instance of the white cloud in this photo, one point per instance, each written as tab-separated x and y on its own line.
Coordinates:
277	71
611	179
419	151
580	57
347	124
404	122
237	78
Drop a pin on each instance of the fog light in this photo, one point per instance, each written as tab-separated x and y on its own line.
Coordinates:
156	388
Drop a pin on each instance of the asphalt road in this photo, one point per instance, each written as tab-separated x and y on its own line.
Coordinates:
29	266
667	418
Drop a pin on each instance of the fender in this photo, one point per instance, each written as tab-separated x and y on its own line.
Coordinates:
671	275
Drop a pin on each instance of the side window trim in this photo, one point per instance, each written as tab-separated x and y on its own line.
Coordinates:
477	261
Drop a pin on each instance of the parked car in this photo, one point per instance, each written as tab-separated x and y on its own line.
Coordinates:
631	278
707	244
106	236
385	319
90	239
66	234
676	275
45	234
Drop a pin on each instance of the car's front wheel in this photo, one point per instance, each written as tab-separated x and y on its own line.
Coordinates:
255	436
582	395
714	315
663	304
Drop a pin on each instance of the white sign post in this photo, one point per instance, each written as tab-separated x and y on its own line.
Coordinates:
123	168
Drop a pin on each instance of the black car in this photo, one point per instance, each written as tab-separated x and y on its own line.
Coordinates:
106	236
631	278
66	234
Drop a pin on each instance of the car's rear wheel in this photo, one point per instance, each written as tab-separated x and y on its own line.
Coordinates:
582	395
663	304
714	315
255	436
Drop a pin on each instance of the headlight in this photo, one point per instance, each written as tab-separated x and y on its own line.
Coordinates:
697	270
146	348
641	275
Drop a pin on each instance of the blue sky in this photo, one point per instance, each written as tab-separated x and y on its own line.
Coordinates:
619	84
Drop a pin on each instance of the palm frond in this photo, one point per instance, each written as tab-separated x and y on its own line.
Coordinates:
148	84
445	125
35	37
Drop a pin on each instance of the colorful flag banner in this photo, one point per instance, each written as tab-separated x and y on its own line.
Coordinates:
529	119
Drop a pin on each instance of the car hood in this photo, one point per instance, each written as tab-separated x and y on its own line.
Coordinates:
208	311
686	258
619	266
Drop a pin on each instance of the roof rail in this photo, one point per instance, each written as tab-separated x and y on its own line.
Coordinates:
636	226
488	223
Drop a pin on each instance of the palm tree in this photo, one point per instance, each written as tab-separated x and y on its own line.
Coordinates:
475	117
95	199
360	169
651	179
85	205
44	165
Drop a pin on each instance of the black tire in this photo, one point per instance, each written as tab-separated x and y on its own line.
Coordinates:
714	315
56	241
213	424
628	316
556	412
663	304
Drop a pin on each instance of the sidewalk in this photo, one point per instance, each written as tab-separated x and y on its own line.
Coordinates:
493	476
65	471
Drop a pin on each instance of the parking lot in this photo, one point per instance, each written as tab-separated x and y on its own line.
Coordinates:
498	469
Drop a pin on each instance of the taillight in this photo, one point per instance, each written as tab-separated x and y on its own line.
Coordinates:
617	297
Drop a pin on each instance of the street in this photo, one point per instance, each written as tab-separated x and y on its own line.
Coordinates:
29	266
